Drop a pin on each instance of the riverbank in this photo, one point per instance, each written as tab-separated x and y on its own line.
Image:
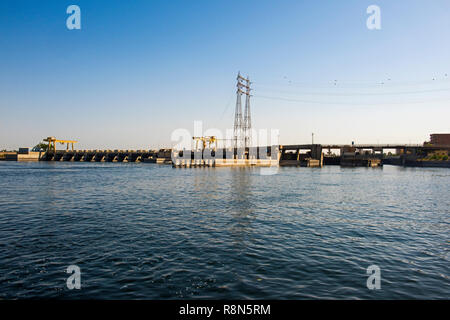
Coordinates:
398	161
427	164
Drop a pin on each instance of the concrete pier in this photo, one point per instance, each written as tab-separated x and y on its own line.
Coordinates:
193	163
291	155
22	155
227	157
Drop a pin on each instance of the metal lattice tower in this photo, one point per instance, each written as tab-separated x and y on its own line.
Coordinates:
242	124
247	117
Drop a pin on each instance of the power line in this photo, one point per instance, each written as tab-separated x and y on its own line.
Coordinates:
363	93
348	103
350	84
302	96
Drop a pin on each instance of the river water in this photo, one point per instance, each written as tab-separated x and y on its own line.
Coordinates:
147	231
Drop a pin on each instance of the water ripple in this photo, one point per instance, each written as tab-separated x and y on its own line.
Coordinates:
140	231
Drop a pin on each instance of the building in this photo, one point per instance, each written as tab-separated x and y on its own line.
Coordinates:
24	154
440	139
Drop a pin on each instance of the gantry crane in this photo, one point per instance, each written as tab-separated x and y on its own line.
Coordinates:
210	140
52	143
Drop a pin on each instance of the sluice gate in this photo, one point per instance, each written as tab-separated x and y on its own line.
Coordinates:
226	157
103	155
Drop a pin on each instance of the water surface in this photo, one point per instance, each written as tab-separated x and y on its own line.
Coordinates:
146	231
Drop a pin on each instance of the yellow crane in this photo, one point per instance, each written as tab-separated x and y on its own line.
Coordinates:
52	141
210	140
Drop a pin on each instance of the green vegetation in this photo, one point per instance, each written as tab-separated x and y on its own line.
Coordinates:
436	157
41	146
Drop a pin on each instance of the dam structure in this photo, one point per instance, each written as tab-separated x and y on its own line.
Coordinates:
309	155
298	155
151	156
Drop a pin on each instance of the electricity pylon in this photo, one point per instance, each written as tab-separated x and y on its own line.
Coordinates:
242	125
247	117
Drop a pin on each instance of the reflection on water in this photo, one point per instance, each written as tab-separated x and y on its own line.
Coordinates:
150	231
242	206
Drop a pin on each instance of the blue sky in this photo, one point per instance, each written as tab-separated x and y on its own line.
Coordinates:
137	70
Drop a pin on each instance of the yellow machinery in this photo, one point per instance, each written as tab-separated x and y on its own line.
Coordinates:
210	140
52	143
